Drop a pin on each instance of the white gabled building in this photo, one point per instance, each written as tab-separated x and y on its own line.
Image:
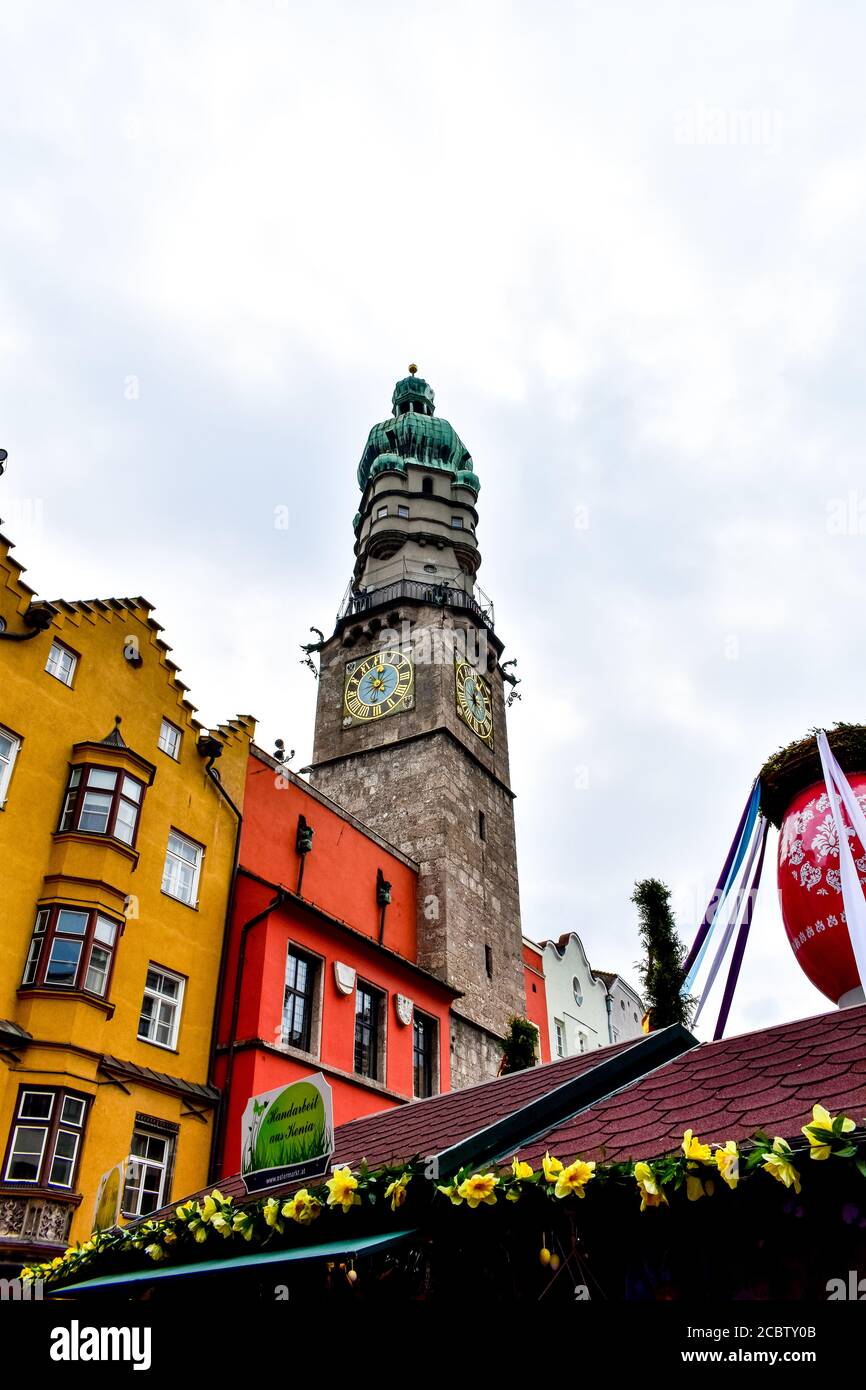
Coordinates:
586	1008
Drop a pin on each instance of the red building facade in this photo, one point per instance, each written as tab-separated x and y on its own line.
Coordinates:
536	996
321	966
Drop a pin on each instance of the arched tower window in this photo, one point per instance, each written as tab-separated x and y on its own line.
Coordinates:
427	487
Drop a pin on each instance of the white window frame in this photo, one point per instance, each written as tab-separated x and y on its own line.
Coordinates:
174	739
8	763
176	1004
64	1158
135	1161
559	1036
175	858
55	667
25	1124
403	511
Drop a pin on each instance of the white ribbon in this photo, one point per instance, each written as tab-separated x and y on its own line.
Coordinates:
738	911
838	787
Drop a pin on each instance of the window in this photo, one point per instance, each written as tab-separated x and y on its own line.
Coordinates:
383	511
146	1186
488	961
46	1136
160	1007
577	991
482	826
9	746
61	663
102	801
368	1019
299	1000
427	487
402	511
456	523
581	1042
182	868
423	1043
559	1027
71	948
169	739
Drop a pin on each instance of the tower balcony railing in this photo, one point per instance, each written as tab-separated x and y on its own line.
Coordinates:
446	589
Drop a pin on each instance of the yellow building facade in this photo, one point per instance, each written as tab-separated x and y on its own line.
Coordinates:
119	818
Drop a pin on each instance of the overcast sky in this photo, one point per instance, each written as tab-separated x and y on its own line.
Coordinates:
624	243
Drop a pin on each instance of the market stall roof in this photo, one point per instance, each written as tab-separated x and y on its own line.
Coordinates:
482	1121
724	1090
331	1250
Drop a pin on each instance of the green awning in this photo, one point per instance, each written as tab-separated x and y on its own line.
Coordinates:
333	1250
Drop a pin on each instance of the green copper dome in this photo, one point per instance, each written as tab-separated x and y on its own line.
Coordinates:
415	435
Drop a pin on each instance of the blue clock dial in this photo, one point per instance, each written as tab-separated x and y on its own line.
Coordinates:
378	685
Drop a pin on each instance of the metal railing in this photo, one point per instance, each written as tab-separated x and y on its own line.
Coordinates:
440	592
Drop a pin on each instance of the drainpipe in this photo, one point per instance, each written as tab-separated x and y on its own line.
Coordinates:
219	1132
608	1003
211	748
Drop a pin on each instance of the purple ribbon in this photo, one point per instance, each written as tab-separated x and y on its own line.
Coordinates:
713	905
740	946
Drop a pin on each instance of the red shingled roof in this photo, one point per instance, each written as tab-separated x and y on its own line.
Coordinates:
725	1090
428	1127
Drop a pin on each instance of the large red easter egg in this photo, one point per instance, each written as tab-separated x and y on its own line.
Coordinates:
810	889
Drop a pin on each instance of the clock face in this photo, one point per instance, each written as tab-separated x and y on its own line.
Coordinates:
378	685
474	701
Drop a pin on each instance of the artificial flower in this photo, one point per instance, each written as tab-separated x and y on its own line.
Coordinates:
342	1190
243	1225
574	1178
651	1194
271	1213
208	1209
453	1193
728	1163
478	1189
303	1208
696	1188
823	1121
694	1149
552	1167
397	1190
778	1164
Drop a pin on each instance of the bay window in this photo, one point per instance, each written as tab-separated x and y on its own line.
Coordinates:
44	1144
102	801
71	948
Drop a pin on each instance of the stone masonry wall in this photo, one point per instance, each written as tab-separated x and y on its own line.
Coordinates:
420	779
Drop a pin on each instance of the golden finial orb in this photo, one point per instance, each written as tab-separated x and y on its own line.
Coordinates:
413	367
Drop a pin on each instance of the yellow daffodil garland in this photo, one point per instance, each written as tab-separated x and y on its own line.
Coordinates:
696	1167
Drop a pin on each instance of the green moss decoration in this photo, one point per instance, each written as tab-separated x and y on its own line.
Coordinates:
793	768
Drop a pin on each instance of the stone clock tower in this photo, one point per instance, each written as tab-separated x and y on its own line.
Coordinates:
410	722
